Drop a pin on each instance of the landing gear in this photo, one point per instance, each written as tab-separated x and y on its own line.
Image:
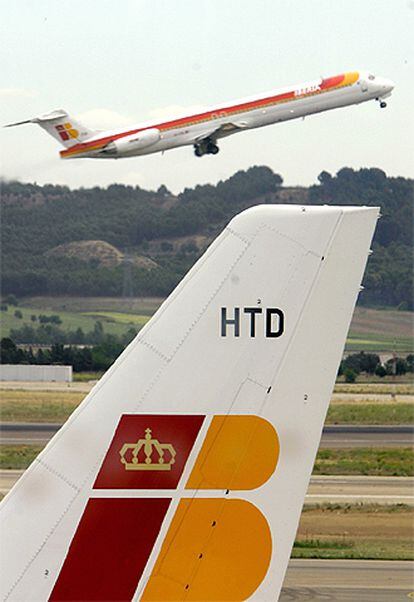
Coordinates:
206	147
383	104
212	149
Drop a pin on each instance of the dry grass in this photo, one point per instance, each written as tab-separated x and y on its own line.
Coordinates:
375	388
38	406
358	531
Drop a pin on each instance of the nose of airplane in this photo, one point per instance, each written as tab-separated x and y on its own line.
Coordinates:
387	85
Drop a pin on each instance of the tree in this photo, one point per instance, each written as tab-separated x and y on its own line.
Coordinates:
350	375
11	299
380	371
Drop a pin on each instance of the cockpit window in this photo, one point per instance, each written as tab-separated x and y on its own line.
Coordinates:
371	77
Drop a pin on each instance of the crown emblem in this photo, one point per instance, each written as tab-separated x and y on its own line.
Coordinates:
132	453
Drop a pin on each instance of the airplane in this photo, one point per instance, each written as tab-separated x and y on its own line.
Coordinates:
202	130
182	474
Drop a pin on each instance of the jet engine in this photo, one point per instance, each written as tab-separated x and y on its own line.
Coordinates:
132	143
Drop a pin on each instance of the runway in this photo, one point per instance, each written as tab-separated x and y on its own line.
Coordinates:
348	580
322	489
360	489
333	436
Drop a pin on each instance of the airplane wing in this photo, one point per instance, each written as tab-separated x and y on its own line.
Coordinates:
182	474
225	129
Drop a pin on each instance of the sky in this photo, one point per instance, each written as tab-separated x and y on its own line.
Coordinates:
117	63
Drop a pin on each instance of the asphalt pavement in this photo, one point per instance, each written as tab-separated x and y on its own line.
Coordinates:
348	580
333	436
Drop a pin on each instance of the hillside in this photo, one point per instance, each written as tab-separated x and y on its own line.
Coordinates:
123	240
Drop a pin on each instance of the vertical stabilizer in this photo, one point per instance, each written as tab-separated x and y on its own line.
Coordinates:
182	474
64	128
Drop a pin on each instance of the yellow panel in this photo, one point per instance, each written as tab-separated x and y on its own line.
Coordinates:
239	452
350	78
215	550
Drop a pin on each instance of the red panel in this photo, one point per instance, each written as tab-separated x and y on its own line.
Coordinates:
110	549
135	434
332	82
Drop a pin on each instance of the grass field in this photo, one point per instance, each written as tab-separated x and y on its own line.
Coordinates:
18	457
402	413
71	320
376	388
371	329
356	531
118	317
380	330
397	462
18	405
136	305
362	461
38	406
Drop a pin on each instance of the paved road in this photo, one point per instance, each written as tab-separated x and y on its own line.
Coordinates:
354	435
334	436
360	489
348	581
322	489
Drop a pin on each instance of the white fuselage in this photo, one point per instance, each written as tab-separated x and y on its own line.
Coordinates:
209	125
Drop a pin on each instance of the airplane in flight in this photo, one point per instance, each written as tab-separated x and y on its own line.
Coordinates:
203	130
182	474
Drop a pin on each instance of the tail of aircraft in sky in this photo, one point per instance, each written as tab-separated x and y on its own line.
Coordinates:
62	127
182	475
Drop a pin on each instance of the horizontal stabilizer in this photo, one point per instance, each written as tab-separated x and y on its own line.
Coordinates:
12	125
61	126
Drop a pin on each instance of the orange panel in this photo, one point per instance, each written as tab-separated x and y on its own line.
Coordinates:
350	78
215	550
239	452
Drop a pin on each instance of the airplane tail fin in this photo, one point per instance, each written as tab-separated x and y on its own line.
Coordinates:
61	126
182	474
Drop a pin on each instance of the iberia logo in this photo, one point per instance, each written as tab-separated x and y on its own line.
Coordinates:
66	131
150	511
147	445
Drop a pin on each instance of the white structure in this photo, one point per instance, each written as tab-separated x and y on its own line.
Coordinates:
29	372
173	458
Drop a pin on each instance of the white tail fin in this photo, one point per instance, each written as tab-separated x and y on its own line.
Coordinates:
182	475
60	125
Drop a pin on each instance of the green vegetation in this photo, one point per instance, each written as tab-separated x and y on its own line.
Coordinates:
18	457
84	377
376	549
370	363
365	461
67	327
118	317
378	342
96	358
56	406
139	223
402	413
